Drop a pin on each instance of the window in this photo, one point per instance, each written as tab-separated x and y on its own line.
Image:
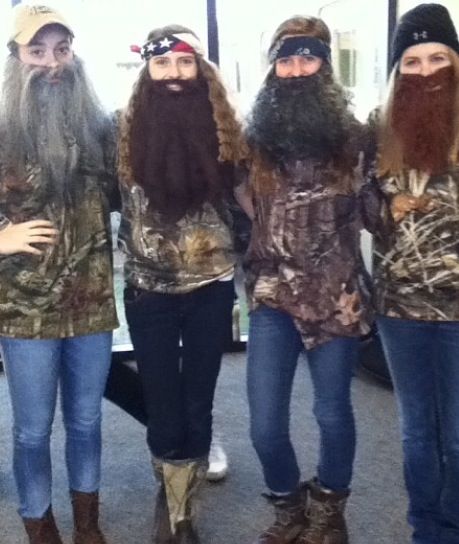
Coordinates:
359	51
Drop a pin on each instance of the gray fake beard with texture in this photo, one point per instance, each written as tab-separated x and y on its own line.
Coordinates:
52	119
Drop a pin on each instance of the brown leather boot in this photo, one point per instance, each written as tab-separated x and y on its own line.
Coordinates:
290	518
326	516
86	518
42	530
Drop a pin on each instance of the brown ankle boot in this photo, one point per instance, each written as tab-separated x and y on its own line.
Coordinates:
86	518
290	518
42	530
325	516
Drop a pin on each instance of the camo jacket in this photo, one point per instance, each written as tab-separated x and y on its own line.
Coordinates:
416	260
304	255
68	290
174	257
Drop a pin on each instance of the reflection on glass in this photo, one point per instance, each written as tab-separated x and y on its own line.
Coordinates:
347	57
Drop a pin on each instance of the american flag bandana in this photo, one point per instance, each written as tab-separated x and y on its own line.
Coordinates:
183	43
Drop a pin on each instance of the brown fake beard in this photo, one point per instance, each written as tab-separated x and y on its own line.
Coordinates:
422	119
174	148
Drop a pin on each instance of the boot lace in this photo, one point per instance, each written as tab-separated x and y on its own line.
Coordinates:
319	517
286	514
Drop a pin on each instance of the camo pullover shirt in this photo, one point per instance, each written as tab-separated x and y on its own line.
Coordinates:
304	255
416	260
164	256
68	290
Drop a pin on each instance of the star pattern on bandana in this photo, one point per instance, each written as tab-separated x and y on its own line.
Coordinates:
163	46
165	43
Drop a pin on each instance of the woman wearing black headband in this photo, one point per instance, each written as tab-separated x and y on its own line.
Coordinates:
304	278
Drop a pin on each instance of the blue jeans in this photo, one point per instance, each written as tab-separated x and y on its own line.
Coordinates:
423	358
34	368
179	384
273	350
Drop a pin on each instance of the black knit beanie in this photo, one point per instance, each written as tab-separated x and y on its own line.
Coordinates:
422	24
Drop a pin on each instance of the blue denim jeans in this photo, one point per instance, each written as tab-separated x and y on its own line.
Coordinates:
34	368
179	384
423	358
273	350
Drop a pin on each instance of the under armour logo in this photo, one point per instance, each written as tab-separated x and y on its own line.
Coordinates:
420	35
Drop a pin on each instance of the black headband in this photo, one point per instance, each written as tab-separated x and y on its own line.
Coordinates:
303	46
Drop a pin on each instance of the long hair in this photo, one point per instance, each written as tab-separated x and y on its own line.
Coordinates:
390	155
232	145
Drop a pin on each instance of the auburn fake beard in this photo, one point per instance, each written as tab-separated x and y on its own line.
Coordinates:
422	119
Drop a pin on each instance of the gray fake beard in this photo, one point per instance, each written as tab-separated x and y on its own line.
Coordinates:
58	126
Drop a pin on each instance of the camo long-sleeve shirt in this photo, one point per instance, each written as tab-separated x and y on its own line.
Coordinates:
174	257
416	259
68	290
304	256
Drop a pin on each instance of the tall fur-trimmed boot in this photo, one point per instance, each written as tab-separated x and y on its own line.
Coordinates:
86	528
42	530
162	533
325	515
182	480
290	518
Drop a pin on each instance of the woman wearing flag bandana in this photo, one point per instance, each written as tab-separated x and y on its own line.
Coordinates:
305	279
179	145
416	262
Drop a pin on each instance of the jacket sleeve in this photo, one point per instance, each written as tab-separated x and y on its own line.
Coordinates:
240	210
374	205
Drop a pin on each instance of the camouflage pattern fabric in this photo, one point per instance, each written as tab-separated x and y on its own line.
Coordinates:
416	266
174	257
68	290
304	255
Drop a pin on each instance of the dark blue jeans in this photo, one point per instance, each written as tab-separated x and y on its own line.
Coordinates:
423	358
179	384
273	350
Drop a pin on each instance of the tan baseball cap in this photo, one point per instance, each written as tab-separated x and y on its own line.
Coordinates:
27	20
